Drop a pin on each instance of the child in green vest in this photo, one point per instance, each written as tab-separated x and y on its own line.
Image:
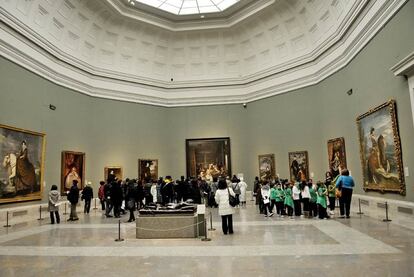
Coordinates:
322	193
289	200
272	197
313	207
280	198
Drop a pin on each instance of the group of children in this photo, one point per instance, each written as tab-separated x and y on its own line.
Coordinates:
293	198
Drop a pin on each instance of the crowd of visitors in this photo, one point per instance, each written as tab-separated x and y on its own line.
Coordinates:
278	196
305	198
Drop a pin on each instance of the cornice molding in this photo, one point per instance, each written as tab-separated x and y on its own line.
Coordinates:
405	66
34	56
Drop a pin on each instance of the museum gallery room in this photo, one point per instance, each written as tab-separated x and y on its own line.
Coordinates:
207	138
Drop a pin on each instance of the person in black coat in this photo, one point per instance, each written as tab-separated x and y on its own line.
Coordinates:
147	191
108	198
130	199
180	189
195	192
140	194
116	196
87	195
167	190
73	198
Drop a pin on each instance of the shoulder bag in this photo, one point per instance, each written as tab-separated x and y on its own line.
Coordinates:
233	201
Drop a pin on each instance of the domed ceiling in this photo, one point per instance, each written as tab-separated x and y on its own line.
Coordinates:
135	52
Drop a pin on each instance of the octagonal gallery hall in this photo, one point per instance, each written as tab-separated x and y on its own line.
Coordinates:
206	138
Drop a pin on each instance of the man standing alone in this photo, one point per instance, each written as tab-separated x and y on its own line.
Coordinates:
73	198
87	195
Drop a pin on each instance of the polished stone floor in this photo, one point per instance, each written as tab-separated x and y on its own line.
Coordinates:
359	246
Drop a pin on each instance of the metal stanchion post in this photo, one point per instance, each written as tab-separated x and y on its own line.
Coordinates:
7	220
211	223
119	232
205	232
40	213
386	213
359	206
95	208
65	213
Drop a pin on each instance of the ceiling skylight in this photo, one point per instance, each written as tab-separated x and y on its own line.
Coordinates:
184	7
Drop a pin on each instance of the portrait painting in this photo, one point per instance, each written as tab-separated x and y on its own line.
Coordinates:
336	156
115	171
21	172
380	149
73	168
267	167
299	166
148	169
208	158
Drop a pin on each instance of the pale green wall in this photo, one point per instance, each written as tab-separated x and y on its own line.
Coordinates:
118	133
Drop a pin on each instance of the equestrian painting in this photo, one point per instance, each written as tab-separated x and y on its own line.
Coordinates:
21	170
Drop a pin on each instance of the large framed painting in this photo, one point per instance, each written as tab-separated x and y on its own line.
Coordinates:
113	170
336	156
73	168
208	158
148	168
299	166
267	167
22	170
380	149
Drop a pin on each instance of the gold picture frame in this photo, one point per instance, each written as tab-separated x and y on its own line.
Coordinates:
117	171
208	158
380	149
267	166
148	168
299	166
73	167
336	156
22	171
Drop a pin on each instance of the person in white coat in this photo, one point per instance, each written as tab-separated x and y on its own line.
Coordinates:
154	192
225	210
243	189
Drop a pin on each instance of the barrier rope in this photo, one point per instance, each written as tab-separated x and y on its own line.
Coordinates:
174	229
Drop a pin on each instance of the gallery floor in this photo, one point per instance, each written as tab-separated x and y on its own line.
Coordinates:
359	246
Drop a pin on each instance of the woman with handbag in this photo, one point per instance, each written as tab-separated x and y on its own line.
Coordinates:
226	211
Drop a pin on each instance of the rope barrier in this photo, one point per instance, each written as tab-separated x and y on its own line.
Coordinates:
168	230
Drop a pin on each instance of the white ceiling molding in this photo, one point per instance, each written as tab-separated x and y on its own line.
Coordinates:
43	58
190	24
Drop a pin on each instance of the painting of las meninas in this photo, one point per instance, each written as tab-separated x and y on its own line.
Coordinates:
380	149
299	166
21	172
208	158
